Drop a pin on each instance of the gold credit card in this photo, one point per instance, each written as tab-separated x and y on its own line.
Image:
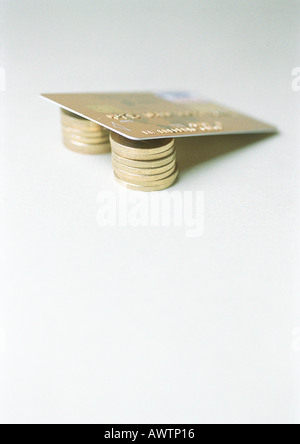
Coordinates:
146	115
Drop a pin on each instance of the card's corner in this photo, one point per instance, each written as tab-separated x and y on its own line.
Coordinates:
44	96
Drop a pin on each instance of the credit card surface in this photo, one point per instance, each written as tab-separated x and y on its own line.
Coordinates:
146	115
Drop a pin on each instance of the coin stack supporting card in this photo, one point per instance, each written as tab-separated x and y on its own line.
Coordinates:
82	135
144	165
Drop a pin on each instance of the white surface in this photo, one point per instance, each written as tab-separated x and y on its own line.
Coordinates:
144	324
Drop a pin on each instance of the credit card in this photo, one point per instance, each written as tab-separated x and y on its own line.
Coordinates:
158	115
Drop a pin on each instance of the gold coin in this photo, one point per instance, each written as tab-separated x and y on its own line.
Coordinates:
144	164
143	171
158	186
147	155
77	122
139	179
102	132
87	140
84	148
135	147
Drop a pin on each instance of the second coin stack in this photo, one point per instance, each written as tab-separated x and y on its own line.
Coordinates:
144	165
82	135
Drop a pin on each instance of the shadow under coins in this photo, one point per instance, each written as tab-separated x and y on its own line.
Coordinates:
192	151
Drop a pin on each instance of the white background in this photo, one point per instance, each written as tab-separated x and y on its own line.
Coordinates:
141	325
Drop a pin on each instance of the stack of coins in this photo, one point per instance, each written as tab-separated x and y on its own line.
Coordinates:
144	165
82	135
